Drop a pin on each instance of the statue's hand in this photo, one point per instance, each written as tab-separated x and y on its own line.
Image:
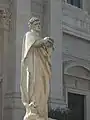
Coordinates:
49	41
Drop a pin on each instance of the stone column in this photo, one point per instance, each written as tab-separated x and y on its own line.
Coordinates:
4	21
23	14
10	94
56	34
2	61
20	12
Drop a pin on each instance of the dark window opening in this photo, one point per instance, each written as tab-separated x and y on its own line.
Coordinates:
77	3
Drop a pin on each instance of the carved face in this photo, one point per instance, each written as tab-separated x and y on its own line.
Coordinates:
36	26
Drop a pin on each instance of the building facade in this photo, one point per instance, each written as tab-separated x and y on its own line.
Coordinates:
68	23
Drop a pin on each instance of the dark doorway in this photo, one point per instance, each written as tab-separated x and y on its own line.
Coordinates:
76	104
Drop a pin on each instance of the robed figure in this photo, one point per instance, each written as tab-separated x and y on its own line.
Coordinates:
35	72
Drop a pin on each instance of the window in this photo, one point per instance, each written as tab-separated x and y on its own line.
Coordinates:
77	3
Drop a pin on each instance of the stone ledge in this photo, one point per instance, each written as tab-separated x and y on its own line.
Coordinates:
13	101
68	57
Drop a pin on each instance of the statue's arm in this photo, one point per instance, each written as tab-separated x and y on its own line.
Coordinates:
38	43
47	41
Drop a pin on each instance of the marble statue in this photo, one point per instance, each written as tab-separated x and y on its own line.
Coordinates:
35	71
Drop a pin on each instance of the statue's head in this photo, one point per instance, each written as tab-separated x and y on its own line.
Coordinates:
34	24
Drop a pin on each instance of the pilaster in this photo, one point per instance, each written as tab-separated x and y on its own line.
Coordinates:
4	32
56	34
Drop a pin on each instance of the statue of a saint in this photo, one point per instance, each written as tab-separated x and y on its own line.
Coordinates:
35	72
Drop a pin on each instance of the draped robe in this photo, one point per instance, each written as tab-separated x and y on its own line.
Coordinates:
35	76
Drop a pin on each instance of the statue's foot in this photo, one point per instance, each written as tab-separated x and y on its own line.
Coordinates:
32	116
51	119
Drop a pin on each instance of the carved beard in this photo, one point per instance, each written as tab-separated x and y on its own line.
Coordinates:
35	28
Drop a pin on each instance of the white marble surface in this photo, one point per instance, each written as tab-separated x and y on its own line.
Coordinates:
35	72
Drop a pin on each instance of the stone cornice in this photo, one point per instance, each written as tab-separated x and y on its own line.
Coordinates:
76	21
69	29
77	77
74	58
